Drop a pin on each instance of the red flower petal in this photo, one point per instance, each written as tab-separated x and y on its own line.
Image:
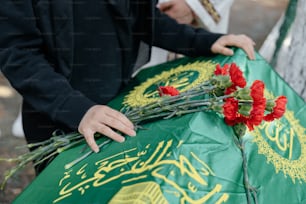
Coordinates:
167	90
257	90
278	110
230	109
237	76
230	90
221	70
257	112
230	122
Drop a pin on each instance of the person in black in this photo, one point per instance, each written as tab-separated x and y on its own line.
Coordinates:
69	58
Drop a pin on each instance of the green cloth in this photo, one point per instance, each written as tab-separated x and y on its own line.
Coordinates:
187	159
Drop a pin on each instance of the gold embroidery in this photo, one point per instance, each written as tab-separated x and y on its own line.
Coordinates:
139	169
211	10
146	192
182	78
283	142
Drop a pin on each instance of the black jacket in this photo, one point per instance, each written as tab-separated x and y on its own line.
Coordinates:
65	56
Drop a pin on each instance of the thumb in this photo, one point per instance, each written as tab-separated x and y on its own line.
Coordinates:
164	6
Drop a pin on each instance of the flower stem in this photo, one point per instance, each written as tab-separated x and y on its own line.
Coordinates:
196	91
74	162
248	188
164	109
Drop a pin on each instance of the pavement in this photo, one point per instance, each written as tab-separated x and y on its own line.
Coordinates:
255	18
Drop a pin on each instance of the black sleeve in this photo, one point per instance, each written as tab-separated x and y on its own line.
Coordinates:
23	62
179	38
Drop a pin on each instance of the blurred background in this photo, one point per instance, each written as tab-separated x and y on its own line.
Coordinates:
256	18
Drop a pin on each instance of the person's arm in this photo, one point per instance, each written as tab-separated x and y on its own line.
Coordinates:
24	63
181	38
184	39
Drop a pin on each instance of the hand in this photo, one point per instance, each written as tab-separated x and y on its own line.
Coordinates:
104	120
178	10
241	41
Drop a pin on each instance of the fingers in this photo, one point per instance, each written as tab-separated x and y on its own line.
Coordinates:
89	137
107	131
106	121
186	19
220	49
119	122
178	10
165	6
241	41
102	129
246	43
118	116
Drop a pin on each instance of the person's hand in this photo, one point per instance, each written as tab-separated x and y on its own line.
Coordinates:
104	120
241	41
178	10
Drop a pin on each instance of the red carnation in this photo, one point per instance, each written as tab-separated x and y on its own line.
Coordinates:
257	90
254	119
230	90
231	115
230	122
237	76
257	112
259	103
221	70
239	119
167	90
230	109
278	110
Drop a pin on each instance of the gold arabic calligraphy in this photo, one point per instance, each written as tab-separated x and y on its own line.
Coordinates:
118	167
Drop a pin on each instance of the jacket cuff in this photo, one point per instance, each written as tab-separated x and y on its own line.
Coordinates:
206	40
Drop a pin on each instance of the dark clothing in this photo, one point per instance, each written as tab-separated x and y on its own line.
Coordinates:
65	56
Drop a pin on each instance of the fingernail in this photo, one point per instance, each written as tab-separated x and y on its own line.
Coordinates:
96	150
133	133
122	140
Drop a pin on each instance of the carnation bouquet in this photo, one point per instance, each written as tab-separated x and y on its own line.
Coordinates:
224	93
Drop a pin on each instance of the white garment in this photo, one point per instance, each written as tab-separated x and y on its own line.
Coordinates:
223	7
17	129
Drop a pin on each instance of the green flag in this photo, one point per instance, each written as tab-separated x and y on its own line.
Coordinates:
188	159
